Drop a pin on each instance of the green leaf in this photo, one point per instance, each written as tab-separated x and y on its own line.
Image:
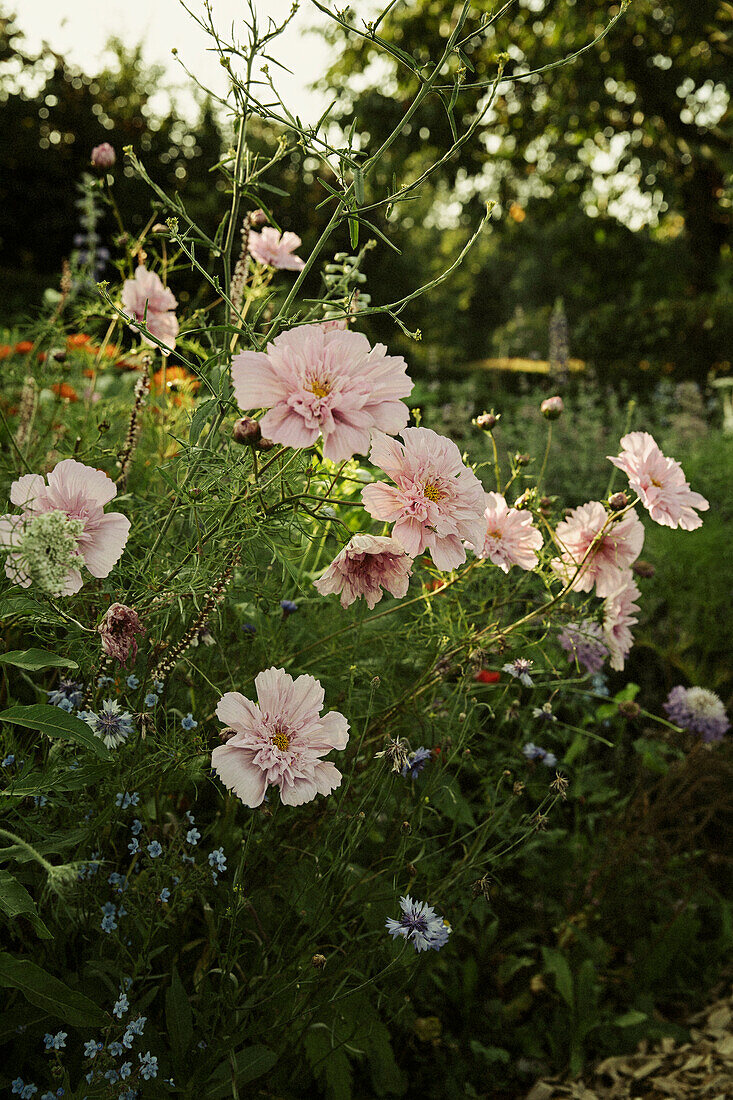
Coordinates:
200	418
32	660
557	965
55	722
630	1019
178	1015
15	901
46	992
245	1066
26	608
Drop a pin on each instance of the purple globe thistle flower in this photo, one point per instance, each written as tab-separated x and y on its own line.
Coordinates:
584	643
289	607
112	724
420	924
416	761
698	710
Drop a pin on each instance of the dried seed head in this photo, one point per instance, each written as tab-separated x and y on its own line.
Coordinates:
629	709
318	962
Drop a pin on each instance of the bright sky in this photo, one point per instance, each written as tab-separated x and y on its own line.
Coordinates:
79	29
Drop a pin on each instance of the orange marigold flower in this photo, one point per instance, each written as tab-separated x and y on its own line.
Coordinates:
64	390
5	351
24	347
77	340
177	382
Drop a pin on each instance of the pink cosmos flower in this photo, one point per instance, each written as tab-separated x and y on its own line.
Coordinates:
509	539
80	492
619	614
660	483
281	741
323	381
608	563
274	250
146	292
436	503
366	565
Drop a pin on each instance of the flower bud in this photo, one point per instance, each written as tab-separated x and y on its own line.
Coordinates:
247	431
103	156
258	218
618	502
629	709
226	734
405	828
522	459
487	421
318	962
265	445
643	569
160	228
552	407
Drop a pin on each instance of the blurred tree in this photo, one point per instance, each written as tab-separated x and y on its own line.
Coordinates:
609	171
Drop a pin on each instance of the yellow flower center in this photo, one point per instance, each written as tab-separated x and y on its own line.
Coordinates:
432	492
280	740
494	534
319	387
657	483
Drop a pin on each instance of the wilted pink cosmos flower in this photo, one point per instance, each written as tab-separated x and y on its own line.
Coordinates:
510	539
74	495
145	299
366	565
103	156
660	482
323	381
274	250
607	564
281	741
436	503
619	614
118	629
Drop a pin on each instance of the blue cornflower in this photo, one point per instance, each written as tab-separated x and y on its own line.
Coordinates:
67	692
67	705
29	1092
55	1042
109	908
125	1070
188	722
416	761
136	826
217	859
92	1048
121	1006
164	895
118	881
535	752
9	759
105	680
133	846
154	849
137	1027
151	699
123	799
133	682
289	607
112	1076
420	924
248	628
193	836
111	724
520	669
116	1049
108	920
148	1066
158	685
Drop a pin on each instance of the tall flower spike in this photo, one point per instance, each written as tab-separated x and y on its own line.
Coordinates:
436	502
319	380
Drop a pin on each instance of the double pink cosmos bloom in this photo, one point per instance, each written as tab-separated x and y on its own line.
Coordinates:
607	565
81	492
145	299
436	502
510	538
365	566
323	380
280	740
660	483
